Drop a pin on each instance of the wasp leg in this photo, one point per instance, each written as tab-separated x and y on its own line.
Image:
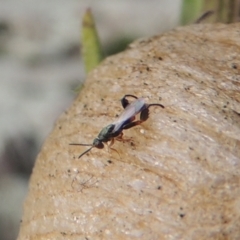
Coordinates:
110	146
121	139
125	102
144	114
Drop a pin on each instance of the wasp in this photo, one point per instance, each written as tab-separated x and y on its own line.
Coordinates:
125	121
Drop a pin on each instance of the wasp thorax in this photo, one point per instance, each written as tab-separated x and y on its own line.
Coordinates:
105	134
97	143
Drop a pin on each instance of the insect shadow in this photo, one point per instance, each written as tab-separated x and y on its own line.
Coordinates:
125	121
85	184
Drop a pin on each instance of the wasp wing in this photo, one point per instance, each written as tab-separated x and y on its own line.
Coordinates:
129	113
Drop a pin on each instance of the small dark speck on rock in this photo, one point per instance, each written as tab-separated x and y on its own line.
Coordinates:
181	215
132	144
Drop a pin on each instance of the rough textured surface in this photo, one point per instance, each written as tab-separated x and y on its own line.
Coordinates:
179	178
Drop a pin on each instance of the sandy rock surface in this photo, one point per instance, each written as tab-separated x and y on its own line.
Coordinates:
179	177
40	66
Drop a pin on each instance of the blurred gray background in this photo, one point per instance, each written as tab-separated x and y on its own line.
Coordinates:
40	66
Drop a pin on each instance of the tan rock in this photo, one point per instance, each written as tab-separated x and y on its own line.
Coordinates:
179	178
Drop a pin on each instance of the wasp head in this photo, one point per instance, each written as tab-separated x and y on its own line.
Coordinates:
97	143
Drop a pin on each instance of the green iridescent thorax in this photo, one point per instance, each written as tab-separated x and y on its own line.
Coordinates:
105	134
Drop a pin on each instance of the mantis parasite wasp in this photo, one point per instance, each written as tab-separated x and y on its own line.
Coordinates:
125	121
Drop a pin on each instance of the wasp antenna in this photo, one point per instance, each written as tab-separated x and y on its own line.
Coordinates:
85	152
80	144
